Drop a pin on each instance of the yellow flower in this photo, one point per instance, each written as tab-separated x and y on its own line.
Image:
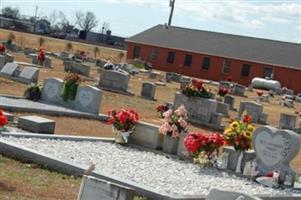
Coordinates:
251	128
234	125
247	134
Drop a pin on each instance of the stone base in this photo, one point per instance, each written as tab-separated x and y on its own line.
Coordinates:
117	91
36	124
233	158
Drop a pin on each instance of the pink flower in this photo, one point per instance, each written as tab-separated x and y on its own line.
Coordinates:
182	123
164	128
175	134
167	114
181	111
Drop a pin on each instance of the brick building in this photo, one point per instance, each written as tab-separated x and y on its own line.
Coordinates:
215	56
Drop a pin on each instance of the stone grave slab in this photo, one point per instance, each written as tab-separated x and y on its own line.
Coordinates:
94	188
88	99
36	124
238	90
287	121
2	61
29	75
116	81
252	108
223	108
52	90
10	69
225	84
274	149
75	67
148	90
217	194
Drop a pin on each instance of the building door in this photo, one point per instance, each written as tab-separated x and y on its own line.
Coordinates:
136	51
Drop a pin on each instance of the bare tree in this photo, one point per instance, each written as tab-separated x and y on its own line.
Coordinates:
86	21
53	18
105	27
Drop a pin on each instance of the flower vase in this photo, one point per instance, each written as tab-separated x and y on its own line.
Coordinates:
239	162
182	151
34	95
170	144
121	137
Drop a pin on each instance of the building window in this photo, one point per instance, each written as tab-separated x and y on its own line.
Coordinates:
206	63
267	72
226	66
245	70
154	54
171	57
188	60
136	51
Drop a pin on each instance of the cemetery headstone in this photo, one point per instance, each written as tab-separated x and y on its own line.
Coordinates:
238	90
88	99
148	90
64	55
76	67
94	188
286	91
228	99
252	108
274	149
28	51
117	81
223	108
29	75
225	84
185	80
233	157
154	75
287	121
2	61
10	69
263	118
52	90
36	124
47	62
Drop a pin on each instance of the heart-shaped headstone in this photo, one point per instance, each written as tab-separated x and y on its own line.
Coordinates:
85	97
51	89
275	148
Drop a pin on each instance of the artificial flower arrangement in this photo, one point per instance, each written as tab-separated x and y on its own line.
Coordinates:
124	122
174	122
33	91
259	93
239	133
71	82
203	146
196	89
222	91
2	48
3	120
41	55
162	108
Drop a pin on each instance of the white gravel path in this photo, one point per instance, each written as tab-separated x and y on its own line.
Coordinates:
147	168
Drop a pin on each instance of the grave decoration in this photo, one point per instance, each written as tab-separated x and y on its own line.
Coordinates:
174	125
124	122
70	85
222	91
239	136
3	121
162	108
41	55
275	149
196	89
2	48
259	95
33	92
204	147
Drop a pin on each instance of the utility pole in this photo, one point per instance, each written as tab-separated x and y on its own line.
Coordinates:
172	5
35	19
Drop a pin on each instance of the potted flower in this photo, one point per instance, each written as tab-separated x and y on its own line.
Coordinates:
222	91
3	121
196	89
70	85
203	146
124	122
2	49
239	136
33	92
41	56
174	125
259	95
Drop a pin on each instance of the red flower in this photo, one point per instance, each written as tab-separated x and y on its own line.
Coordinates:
197	84
2	48
223	91
247	119
192	142
41	55
123	119
259	93
3	119
229	78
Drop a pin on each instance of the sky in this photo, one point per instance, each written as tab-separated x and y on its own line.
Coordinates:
270	19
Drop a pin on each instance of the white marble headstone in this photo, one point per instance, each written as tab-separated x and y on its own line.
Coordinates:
30	74
9	69
274	149
88	99
52	90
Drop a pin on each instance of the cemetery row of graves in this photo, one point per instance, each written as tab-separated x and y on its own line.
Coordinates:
242	152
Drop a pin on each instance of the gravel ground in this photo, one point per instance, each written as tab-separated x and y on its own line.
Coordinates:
147	168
